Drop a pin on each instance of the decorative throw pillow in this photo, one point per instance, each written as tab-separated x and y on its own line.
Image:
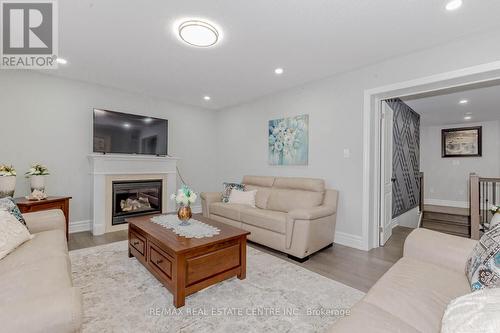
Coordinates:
9	205
473	313
243	197
228	187
12	233
483	265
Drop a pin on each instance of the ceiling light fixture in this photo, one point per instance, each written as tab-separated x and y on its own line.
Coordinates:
198	33
61	61
454	5
463	101
467	117
207	98
278	71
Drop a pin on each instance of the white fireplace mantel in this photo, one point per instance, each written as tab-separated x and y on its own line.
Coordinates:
104	165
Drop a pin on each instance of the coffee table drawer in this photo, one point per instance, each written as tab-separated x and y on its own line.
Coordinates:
160	260
137	242
212	263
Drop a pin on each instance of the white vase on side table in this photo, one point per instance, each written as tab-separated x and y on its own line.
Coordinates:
7	186
37	182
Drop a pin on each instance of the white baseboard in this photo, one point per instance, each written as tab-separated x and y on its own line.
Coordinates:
350	240
79	226
448	203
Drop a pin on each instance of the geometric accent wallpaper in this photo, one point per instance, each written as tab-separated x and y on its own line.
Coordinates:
405	157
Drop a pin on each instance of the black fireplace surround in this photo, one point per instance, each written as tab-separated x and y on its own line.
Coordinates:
136	198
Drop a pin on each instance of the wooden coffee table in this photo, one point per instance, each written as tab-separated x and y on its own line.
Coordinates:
187	265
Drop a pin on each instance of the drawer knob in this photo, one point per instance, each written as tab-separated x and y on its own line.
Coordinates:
159	261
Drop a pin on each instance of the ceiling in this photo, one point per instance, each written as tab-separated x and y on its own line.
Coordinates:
443	108
130	44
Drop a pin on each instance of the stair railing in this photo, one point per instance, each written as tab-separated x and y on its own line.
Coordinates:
484	192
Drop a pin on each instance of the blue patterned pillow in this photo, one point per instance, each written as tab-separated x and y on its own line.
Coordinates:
483	265
228	187
9	205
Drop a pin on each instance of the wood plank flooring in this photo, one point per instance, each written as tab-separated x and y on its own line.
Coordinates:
352	267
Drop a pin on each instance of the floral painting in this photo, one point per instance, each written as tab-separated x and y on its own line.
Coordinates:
289	141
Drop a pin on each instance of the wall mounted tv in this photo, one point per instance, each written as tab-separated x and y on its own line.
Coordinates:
123	133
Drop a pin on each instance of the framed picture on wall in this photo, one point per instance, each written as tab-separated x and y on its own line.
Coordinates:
462	142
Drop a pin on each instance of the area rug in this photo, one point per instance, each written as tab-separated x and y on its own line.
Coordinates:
120	295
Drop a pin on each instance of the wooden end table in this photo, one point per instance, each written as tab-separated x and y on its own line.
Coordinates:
187	265
30	206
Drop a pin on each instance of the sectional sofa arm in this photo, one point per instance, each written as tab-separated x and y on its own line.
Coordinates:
59	312
440	249
206	199
311	213
45	220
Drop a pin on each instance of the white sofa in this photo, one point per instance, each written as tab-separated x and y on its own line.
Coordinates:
36	288
413	295
293	215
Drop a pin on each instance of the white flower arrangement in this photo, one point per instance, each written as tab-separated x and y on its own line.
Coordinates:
37	169
185	196
7	170
495	209
286	138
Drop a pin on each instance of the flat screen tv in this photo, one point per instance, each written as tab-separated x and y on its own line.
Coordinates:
123	133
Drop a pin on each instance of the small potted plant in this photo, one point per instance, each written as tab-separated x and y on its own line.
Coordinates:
185	197
495	221
7	180
37	174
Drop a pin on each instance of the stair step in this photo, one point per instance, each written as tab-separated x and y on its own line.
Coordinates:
460	219
450	232
460	224
446	227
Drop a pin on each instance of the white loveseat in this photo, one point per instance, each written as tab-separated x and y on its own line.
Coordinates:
293	215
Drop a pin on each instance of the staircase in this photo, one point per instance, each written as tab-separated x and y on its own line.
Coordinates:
450	220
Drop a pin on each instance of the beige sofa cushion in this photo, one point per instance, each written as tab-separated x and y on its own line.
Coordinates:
267	219
366	317
262	181
418	292
44	245
35	279
262	195
227	210
286	200
296	183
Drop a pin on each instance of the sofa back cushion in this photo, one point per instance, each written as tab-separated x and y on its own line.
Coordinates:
286	200
262	195
284	194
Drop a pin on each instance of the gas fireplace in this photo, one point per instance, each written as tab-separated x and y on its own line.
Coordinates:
135	198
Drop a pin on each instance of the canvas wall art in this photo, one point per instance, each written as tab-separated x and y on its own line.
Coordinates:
289	141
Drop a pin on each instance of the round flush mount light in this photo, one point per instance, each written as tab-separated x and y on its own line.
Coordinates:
454	5
207	98
279	71
199	33
463	101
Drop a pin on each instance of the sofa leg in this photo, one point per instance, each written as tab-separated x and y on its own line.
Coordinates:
301	260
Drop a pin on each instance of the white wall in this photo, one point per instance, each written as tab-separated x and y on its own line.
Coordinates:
335	106
49	120
446	179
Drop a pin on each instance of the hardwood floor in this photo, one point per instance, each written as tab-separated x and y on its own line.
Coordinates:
352	267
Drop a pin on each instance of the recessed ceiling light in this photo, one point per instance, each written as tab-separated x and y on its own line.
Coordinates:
278	71
207	98
463	101
467	117
198	33
62	61
454	5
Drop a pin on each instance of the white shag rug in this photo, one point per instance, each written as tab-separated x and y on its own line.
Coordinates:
120	295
